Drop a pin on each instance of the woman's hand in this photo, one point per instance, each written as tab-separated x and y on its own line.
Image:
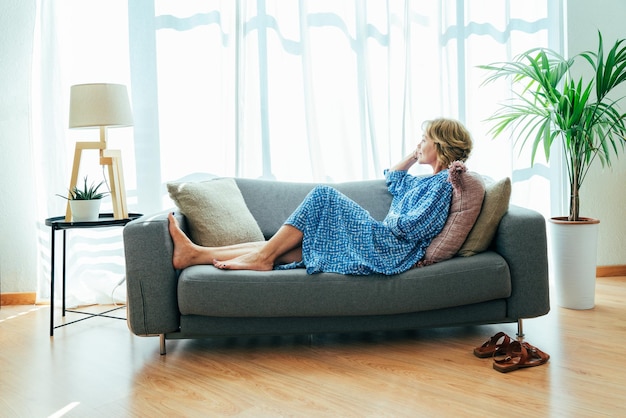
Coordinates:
407	162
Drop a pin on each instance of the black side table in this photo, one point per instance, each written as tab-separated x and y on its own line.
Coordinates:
58	223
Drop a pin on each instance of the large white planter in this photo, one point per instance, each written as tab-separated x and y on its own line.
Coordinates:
85	210
574	255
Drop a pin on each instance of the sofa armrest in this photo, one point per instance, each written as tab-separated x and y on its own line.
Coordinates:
151	280
521	240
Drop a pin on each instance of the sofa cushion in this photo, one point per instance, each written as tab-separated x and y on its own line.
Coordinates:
205	290
467	198
495	205
216	212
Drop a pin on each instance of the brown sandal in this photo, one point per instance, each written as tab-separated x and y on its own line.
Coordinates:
520	355
496	345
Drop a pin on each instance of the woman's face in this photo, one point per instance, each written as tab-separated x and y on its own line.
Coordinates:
426	151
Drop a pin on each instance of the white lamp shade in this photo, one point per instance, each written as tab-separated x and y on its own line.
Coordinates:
93	105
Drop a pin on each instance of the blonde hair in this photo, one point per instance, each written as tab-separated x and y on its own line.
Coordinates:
452	140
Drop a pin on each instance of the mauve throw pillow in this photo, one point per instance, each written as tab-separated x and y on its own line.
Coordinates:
468	192
496	204
216	212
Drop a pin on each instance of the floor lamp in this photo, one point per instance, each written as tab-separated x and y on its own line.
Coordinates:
101	106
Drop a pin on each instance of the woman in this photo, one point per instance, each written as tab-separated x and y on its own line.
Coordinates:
328	232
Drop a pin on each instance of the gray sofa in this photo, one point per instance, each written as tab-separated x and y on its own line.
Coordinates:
507	283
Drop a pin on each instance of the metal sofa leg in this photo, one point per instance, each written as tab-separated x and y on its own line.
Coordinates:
162	344
520	328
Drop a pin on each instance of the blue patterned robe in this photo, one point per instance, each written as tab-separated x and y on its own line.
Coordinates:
340	236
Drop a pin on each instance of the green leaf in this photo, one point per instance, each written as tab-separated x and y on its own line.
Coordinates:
86	193
550	106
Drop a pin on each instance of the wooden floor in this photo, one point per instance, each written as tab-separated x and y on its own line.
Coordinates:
96	368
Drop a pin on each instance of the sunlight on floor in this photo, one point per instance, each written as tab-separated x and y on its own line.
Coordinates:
64	410
36	308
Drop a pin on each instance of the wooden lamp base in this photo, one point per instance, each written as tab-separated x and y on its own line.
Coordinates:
110	158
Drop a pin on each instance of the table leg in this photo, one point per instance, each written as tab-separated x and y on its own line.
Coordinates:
63	272
52	245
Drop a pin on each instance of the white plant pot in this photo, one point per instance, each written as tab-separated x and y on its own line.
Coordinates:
85	210
574	254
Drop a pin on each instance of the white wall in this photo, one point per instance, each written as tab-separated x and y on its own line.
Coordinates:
603	195
18	242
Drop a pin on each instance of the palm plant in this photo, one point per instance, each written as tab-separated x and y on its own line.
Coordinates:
554	106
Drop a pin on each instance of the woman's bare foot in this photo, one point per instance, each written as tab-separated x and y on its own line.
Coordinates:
253	261
186	253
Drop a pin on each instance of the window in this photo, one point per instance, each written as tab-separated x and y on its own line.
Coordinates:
324	90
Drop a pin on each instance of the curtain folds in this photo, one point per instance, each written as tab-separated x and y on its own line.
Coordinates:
307	90
324	91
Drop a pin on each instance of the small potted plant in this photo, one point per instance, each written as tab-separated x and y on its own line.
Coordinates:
85	202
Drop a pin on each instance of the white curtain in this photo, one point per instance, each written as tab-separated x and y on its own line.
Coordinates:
77	42
308	90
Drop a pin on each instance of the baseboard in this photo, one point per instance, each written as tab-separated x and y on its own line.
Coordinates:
611	271
18	298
